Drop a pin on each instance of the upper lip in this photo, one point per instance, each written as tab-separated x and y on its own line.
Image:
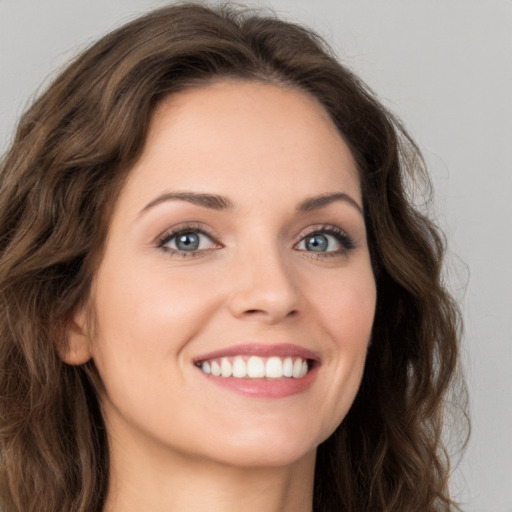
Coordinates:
262	350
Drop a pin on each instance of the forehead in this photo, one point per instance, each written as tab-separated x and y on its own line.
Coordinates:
230	133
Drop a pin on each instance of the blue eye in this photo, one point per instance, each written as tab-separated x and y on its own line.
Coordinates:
318	242
329	241
187	241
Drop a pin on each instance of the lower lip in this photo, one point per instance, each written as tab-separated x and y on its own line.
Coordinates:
263	388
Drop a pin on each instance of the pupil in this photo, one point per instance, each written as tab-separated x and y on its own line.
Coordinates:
317	243
187	242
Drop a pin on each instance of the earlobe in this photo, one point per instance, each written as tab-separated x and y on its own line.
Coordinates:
76	349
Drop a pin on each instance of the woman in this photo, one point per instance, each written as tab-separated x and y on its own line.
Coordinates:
215	290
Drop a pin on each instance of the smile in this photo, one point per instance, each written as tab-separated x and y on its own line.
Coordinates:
261	370
255	367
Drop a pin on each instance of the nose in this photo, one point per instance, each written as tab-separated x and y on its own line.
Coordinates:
264	287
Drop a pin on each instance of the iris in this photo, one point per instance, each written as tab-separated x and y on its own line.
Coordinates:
317	242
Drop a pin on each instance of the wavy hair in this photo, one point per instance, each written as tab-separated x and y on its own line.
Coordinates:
70	156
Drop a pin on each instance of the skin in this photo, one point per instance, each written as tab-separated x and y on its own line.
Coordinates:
179	442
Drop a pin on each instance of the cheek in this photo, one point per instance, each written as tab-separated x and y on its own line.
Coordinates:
143	324
350	318
345	310
346	305
150	315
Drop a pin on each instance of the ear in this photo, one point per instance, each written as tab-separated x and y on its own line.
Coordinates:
76	347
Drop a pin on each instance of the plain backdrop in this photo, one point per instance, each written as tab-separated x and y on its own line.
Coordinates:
445	67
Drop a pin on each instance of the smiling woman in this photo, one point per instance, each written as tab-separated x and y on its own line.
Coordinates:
214	288
256	285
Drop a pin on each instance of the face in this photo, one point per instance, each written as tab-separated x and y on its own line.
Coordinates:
235	298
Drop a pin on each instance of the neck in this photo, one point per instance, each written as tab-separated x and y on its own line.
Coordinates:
198	485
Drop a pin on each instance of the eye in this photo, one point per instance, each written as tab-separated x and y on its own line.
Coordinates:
187	241
326	241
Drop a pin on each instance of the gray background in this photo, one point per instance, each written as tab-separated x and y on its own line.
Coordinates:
445	67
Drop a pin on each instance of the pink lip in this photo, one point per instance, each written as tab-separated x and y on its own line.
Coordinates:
258	349
264	388
279	388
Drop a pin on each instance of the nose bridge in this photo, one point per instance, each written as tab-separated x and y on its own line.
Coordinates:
264	283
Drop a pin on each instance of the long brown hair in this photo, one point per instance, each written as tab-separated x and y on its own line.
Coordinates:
59	181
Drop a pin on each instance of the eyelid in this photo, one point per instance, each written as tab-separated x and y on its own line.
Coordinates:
346	242
342	237
186	227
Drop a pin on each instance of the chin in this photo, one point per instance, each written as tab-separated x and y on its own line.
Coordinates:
270	456
265	448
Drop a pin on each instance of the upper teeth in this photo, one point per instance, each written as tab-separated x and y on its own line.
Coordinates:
256	367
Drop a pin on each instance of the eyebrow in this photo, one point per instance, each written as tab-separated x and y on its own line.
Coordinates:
316	202
218	202
211	201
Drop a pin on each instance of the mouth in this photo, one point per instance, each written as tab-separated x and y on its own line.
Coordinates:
269	371
256	367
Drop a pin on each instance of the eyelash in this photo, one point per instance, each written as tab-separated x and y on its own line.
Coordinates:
346	242
183	230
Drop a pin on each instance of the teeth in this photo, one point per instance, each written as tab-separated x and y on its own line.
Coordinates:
288	367
239	368
225	367
215	368
297	369
256	367
274	368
